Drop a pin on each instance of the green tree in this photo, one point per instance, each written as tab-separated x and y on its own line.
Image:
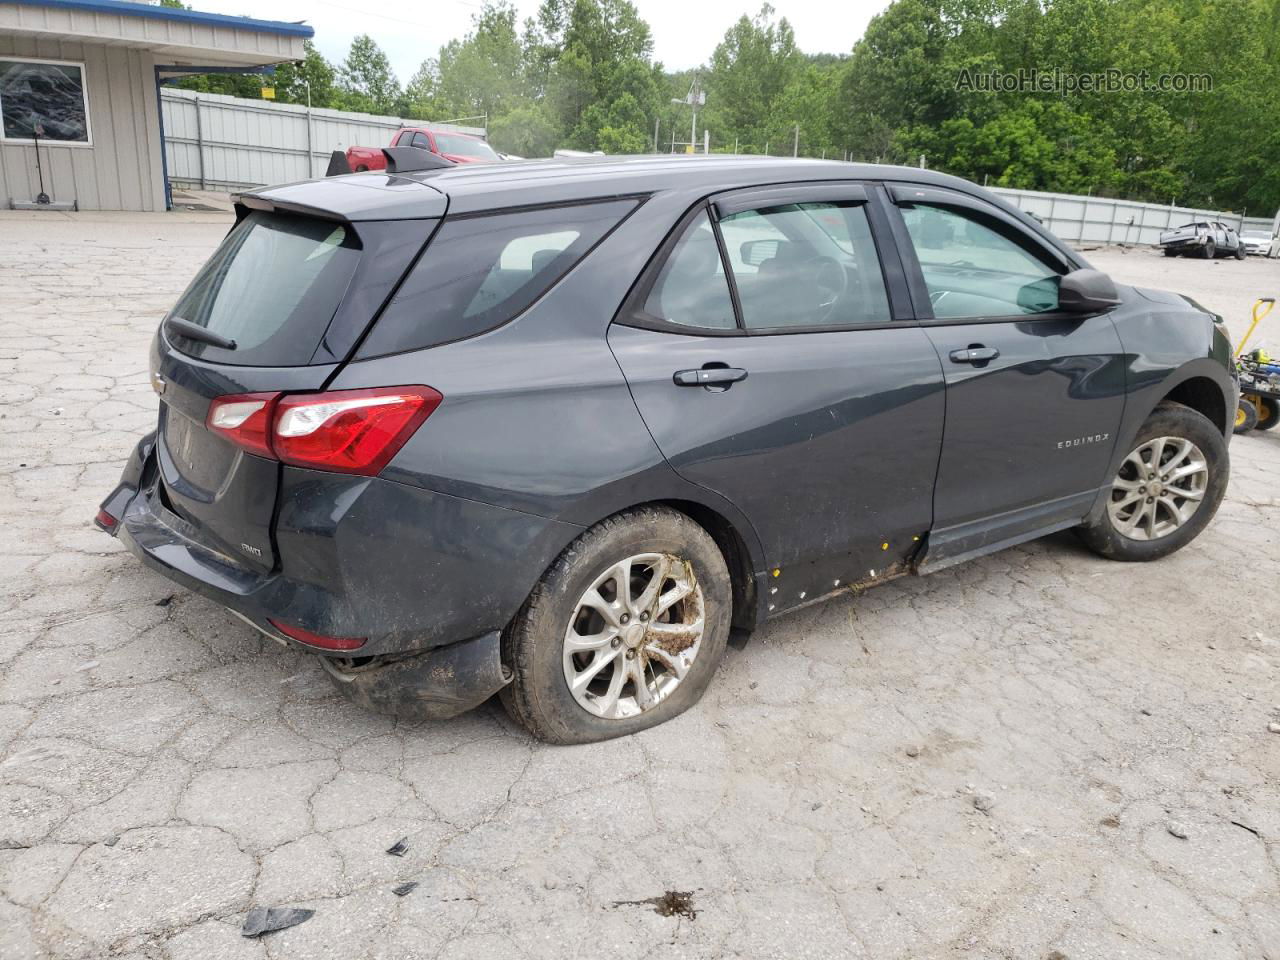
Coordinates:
751	71
366	80
291	79
483	73
593	60
526	131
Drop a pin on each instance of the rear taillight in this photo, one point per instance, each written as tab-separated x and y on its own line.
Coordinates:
348	431
351	431
318	639
245	420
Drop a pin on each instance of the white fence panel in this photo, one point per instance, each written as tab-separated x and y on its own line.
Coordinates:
1090	220
216	142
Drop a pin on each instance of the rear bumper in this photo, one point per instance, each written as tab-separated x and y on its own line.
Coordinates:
407	568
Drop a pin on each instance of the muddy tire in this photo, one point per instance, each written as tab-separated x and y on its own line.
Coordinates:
1167	489
598	650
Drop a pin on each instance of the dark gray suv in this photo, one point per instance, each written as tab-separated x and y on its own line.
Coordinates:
553	429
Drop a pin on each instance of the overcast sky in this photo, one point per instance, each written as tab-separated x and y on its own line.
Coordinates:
684	31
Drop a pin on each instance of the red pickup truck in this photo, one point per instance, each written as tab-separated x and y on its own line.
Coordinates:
458	147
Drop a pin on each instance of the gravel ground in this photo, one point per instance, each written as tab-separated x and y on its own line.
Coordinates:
1036	755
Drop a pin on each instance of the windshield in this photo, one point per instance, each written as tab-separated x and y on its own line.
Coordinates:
460	146
272	287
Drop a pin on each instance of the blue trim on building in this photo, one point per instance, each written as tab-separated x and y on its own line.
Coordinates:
124	8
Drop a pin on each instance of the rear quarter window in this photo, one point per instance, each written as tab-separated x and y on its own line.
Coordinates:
479	272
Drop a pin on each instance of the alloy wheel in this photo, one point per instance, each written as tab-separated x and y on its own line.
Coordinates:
634	635
1160	486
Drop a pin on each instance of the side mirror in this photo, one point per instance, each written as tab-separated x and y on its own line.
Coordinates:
1086	291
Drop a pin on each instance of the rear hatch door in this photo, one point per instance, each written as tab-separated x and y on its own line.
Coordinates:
277	309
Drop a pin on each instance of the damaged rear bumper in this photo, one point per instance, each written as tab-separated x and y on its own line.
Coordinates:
435	685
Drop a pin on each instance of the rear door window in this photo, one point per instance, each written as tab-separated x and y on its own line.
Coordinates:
481	271
806	265
272	287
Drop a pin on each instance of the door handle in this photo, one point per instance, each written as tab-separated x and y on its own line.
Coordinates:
708	376
974	354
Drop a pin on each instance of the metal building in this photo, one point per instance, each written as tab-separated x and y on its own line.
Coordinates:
79	93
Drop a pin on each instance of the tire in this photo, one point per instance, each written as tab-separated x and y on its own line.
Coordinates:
1268	412
534	645
361	168
1209	250
1106	534
1246	416
1240	252
1170	252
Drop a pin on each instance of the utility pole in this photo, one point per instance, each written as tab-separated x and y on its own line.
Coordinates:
311	162
695	98
656	121
795	147
706	141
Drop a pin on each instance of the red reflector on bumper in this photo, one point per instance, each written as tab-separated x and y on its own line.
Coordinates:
105	520
318	639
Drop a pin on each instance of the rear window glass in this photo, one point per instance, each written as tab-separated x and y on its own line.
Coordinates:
272	287
480	272
465	147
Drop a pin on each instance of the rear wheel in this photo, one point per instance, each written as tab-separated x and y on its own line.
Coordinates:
623	632
1246	416
1170	252
1167	489
361	168
1268	412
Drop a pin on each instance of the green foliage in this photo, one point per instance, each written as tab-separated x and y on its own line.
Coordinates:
291	79
752	71
365	79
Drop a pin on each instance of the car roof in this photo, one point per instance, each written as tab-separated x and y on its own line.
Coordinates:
563	179
475	188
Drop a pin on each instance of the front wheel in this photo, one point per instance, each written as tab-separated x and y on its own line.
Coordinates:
1209	250
1167	489
623	632
1240	252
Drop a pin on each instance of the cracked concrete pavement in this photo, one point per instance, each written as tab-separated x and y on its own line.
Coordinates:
983	763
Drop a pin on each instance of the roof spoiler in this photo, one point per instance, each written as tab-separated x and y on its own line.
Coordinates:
411	159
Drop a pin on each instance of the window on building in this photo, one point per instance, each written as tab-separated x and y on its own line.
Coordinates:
45	99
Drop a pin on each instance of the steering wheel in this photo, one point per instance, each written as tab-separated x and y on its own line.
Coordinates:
830	283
